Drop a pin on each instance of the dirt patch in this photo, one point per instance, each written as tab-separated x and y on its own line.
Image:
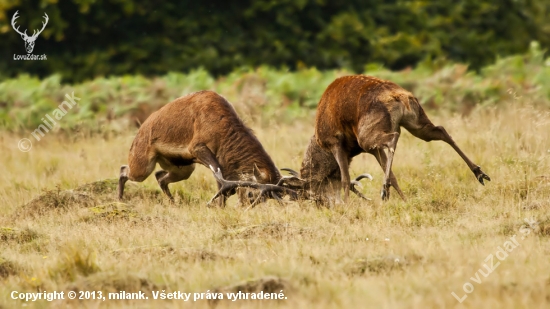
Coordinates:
534	205
55	200
509	229
268	284
542	227
8	268
111	282
381	264
107	190
8	234
178	253
110	212
272	229
101	193
202	255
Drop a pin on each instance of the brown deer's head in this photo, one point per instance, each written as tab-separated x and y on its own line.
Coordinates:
29	40
319	178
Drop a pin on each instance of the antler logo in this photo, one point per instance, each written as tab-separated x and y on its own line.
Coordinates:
29	40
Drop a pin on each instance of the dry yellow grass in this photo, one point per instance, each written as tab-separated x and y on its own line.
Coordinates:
361	255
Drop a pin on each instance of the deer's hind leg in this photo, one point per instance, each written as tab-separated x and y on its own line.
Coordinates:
382	159
376	133
378	142
424	129
173	174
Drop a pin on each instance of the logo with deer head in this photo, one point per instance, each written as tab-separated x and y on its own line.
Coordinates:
29	40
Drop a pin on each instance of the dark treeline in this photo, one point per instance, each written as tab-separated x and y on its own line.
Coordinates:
89	38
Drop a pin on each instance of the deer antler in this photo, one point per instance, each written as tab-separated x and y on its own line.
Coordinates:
291	171
357	183
15	16
294	180
44	23
228	185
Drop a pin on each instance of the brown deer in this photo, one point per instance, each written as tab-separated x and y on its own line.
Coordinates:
320	178
203	128
361	113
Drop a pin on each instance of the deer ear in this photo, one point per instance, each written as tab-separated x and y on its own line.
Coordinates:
259	174
23	36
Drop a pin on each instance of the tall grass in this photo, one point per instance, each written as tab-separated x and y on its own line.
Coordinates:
60	229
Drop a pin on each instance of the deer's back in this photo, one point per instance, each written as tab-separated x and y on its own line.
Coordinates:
204	118
203	113
350	100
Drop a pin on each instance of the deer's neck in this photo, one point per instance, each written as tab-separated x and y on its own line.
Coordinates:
318	164
244	158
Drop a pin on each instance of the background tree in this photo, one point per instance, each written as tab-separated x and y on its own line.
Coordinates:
89	38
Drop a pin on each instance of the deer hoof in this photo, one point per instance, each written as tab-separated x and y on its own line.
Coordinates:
480	175
385	194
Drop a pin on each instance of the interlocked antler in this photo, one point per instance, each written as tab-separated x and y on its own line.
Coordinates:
357	183
272	190
291	171
289	179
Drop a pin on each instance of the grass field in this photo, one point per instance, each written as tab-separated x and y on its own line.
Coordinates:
62	229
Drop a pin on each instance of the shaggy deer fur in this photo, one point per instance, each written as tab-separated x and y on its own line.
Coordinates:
319	178
200	128
360	113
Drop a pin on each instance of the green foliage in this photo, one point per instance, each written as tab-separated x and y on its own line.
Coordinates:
114	102
85	39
